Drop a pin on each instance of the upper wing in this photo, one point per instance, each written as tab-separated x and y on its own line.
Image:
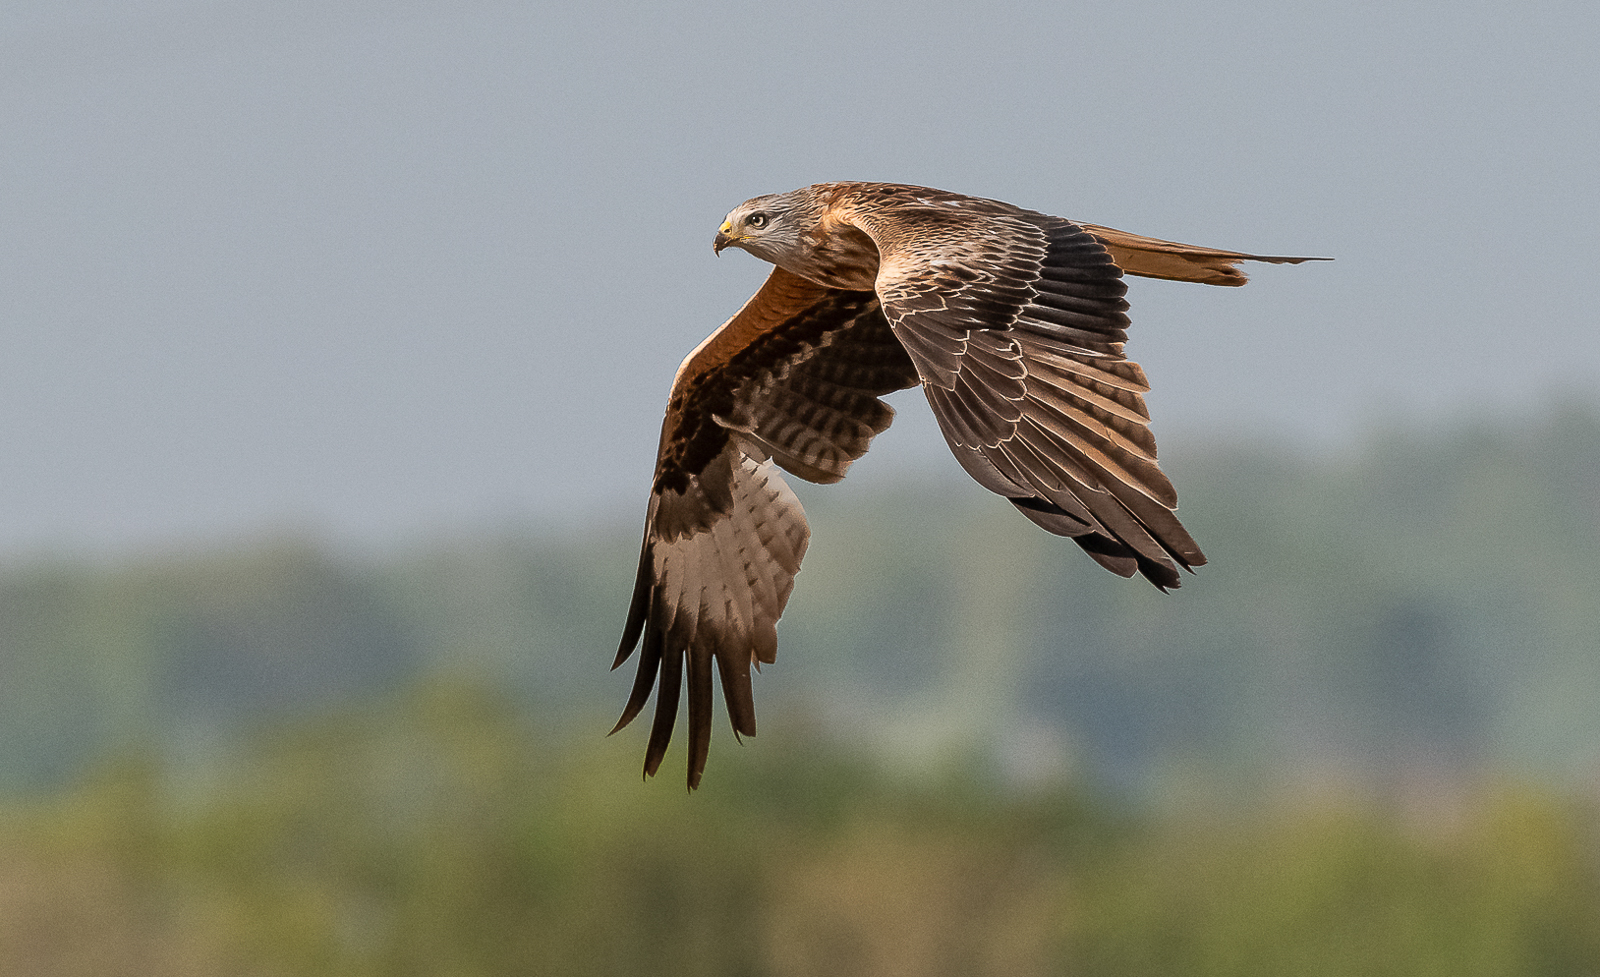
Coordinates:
1016	323
793	377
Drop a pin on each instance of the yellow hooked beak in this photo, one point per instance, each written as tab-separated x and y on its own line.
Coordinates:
724	238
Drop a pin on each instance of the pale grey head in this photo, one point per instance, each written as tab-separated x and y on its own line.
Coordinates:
769	226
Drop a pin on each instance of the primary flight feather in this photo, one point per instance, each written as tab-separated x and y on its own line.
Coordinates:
1012	321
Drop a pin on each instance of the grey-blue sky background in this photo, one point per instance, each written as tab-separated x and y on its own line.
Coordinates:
375	269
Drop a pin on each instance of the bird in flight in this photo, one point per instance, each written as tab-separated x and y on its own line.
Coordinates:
1012	321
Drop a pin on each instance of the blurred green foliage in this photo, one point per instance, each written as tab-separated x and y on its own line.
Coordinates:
1363	740
442	834
1424	600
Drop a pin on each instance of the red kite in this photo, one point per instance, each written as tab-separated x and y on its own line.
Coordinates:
1012	321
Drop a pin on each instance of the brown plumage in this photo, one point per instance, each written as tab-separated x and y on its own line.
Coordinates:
1013	322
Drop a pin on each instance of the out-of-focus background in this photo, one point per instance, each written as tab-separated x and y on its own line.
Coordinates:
334	339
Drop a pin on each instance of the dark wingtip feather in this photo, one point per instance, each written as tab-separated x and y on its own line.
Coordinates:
700	699
639	606
738	695
1123	560
1163	575
666	711
643	680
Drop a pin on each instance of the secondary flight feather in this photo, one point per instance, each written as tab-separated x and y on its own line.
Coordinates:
1013	323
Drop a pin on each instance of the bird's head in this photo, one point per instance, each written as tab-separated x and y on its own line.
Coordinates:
764	226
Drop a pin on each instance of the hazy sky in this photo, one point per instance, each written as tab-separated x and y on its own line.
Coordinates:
373	268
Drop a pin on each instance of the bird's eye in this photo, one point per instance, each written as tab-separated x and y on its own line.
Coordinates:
756	220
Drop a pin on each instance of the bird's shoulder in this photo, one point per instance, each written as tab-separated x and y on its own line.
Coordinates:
864	198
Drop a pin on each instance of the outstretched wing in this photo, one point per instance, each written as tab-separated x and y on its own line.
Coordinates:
793	378
1016	323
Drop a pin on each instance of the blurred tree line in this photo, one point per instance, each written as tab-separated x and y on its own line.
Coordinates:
1362	740
442	834
1424	602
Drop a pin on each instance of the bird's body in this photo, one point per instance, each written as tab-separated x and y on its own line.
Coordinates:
1013	321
